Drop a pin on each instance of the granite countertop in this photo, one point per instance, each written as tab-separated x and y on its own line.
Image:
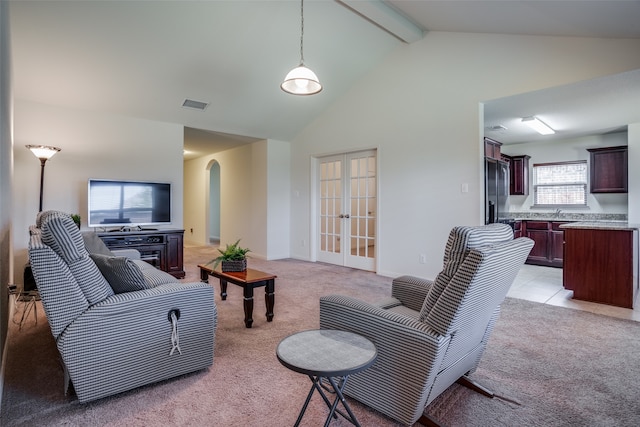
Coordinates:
548	218
602	225
567	216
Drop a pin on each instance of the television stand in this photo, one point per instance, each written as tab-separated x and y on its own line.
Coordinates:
161	248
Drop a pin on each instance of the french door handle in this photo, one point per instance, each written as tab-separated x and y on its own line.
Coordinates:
343	216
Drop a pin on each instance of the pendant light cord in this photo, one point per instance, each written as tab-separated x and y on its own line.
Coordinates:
301	30
301	80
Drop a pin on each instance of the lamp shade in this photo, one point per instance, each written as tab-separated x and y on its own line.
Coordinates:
301	81
43	152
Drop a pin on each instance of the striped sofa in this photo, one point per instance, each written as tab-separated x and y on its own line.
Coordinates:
430	334
140	326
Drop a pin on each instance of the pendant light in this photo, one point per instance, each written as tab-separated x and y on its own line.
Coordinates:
301	80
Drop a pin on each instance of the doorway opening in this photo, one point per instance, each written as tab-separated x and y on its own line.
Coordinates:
347	203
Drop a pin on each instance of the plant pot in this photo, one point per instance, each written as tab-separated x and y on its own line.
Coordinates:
234	265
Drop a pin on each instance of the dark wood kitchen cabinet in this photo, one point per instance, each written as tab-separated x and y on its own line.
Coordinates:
538	231
608	169
519	175
556	244
601	265
492	149
548	242
517	229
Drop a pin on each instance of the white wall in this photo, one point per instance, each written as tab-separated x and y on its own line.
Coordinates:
6	179
254	198
421	108
567	150
93	146
214	202
257	221
279	200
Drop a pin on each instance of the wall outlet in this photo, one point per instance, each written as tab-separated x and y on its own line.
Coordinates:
423	259
464	188
303	243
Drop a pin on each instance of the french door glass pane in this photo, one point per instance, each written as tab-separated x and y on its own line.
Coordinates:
348	189
363	191
330	205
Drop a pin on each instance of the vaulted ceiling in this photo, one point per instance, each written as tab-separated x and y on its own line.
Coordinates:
144	58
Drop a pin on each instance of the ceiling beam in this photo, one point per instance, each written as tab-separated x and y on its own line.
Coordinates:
387	18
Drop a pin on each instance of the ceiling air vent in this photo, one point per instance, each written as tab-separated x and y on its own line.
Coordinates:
497	128
196	105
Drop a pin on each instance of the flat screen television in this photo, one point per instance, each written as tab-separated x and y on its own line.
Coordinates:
128	204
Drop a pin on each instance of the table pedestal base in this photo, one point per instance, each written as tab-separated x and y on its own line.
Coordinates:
338	387
327	355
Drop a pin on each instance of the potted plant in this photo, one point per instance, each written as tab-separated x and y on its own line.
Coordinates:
76	219
233	258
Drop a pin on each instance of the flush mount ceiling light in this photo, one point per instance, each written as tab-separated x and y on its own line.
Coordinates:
538	125
301	80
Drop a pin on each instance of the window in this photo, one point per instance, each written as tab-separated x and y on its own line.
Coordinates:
560	184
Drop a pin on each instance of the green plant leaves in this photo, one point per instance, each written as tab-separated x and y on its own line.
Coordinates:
231	252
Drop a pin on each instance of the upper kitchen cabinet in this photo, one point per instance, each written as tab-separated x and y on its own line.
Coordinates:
519	175
609	169
492	148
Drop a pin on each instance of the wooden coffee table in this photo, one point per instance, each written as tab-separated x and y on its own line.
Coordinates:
248	279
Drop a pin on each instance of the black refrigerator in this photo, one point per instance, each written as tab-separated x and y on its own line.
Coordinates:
496	181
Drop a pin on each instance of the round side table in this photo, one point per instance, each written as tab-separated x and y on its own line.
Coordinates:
327	354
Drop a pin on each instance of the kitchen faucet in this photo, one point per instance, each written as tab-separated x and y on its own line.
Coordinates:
558	212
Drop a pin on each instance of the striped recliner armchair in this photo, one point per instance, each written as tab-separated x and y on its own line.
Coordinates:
430	335
151	328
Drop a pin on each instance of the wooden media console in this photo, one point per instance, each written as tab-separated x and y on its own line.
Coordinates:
161	248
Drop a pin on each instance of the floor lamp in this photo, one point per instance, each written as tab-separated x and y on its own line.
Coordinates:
43	153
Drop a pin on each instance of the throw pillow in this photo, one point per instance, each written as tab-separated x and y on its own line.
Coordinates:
154	277
94	244
122	273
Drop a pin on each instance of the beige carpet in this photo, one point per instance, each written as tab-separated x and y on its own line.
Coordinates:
564	367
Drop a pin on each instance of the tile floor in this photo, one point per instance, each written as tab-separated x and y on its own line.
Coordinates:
544	285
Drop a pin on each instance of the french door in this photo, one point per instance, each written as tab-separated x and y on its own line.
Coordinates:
347	203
